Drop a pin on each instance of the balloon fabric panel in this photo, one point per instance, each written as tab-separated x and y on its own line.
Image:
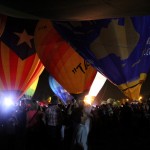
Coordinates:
30	91
59	90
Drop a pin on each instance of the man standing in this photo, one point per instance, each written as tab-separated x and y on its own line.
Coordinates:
54	121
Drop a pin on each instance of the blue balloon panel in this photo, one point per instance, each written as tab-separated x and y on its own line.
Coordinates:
59	90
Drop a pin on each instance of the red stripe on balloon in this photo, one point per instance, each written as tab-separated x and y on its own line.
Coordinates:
2	75
27	66
13	63
34	76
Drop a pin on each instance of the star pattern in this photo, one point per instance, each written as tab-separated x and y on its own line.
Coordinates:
24	37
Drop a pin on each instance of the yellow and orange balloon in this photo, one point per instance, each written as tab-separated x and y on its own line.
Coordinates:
62	62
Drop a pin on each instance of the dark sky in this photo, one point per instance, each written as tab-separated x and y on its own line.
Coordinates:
43	90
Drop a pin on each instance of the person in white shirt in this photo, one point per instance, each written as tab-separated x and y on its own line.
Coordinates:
80	133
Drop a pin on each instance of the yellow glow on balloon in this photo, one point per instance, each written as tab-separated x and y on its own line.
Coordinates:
32	88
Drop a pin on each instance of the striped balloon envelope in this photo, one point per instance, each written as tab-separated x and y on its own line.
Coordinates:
31	90
19	64
62	62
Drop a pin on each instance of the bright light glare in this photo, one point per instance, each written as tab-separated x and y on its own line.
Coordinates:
140	97
88	99
8	101
97	84
95	88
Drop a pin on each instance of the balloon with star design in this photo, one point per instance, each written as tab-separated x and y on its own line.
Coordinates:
19	64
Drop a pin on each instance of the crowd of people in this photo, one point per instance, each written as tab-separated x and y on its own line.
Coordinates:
76	126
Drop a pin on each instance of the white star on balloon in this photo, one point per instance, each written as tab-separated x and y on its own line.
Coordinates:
24	37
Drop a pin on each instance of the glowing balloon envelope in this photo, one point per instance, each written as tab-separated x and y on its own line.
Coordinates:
62	62
19	64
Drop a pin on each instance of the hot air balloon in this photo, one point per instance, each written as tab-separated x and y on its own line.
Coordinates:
19	64
68	68
59	90
119	48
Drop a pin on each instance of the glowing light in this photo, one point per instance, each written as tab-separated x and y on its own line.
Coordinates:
140	97
49	100
88	100
95	88
97	84
8	101
127	100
